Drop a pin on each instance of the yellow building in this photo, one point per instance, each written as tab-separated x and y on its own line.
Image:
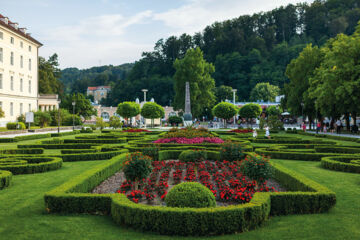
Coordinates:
18	70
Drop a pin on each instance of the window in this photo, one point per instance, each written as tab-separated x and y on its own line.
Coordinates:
11	40
1	35
29	64
1	81
21	108
11	109
29	86
21	61
12	58
1	54
12	83
21	84
21	44
29	48
29	107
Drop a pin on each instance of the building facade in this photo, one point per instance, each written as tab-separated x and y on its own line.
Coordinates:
99	92
18	70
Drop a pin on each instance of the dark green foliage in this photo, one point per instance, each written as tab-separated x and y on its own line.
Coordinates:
175	120
57	146
192	156
91	156
65	133
225	110
98	141
342	163
15	125
250	110
23	151
5	179
231	151
137	167
190	195
257	168
83	105
86	130
151	151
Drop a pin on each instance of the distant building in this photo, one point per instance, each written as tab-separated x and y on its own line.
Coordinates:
99	92
18	70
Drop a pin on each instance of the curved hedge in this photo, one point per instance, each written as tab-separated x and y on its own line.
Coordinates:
5	179
23	151
29	165
342	163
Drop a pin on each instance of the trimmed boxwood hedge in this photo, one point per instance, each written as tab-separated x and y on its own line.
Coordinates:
23	151
342	163
58	146
5	179
65	133
72	151
91	156
29	165
73	197
25	138
98	141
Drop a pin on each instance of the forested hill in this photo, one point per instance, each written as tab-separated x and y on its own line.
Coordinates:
76	80
245	50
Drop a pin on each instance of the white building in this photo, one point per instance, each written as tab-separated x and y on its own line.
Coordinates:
18	70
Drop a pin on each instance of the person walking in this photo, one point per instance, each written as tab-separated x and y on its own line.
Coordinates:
318	127
338	126
267	132
304	126
255	133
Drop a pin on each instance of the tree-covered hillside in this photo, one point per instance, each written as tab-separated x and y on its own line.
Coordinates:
245	51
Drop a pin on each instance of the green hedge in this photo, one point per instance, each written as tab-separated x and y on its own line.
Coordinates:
73	197
61	134
91	156
341	138
72	151
24	138
99	141
23	151
341	163
29	165
337	149
57	146
5	179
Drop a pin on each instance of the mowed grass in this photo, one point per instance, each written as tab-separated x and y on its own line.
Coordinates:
23	215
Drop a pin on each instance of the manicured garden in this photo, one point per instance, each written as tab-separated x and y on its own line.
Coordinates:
316	201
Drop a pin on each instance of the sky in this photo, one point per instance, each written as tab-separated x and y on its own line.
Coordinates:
87	33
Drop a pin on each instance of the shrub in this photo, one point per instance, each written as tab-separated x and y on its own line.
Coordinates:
137	167
257	168
175	120
86	130
151	151
15	125
190	194
42	119
231	151
115	122
5	179
192	155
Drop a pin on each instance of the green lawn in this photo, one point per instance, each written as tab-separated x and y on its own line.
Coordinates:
22	213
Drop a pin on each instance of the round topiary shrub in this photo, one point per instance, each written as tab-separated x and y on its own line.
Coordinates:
192	156
190	194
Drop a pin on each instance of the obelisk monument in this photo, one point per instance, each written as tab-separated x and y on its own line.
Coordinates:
187	115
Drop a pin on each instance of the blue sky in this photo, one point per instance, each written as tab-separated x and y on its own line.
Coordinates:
100	32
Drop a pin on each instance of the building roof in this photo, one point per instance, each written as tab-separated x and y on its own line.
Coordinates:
13	26
98	87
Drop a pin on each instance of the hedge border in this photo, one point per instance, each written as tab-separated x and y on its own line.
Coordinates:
5	179
72	197
36	165
341	163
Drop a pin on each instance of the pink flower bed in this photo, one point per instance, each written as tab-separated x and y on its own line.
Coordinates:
190	140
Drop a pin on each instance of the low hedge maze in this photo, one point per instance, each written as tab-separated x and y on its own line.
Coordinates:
29	165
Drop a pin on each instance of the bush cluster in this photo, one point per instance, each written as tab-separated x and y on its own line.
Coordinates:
15	126
231	151
257	168
192	156
190	194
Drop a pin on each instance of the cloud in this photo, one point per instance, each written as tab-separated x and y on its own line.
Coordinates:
195	15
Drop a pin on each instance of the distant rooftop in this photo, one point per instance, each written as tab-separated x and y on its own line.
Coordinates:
13	26
97	88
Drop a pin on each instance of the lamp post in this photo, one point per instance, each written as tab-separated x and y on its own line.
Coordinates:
73	104
59	117
234	91
144	91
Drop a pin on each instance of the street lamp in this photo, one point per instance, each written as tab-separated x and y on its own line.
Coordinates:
144	91
234	91
73	104
59	117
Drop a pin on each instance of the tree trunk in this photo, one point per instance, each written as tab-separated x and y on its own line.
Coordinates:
347	121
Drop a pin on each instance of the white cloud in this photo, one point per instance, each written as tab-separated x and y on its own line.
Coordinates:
195	15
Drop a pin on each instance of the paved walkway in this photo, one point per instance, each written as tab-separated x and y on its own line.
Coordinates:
335	134
30	133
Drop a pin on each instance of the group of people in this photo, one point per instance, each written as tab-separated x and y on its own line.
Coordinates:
267	132
335	126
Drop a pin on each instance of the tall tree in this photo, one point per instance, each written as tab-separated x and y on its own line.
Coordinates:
49	74
83	105
265	92
195	70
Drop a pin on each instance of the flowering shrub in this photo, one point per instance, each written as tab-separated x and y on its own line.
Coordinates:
257	168
137	167
231	151
242	130
151	151
188	133
135	130
196	140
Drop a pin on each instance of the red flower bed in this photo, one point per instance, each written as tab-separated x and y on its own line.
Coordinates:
223	178
197	140
242	130
135	130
